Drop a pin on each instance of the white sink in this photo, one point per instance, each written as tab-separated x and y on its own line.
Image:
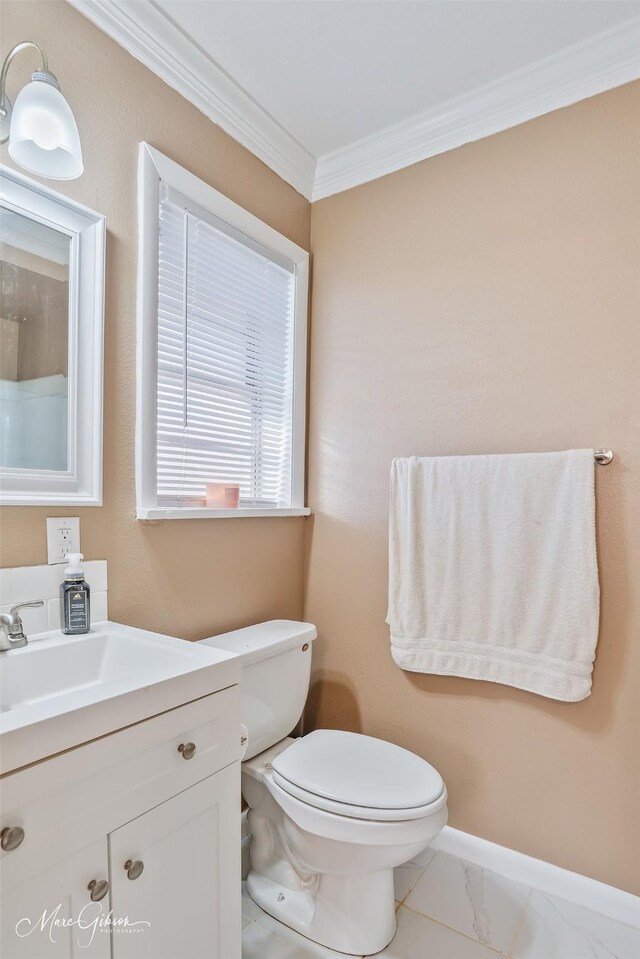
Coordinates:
60	691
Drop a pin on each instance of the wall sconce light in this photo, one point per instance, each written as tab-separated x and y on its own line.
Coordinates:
41	129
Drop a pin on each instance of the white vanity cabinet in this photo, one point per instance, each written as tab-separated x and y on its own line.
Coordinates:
59	891
151	814
184	891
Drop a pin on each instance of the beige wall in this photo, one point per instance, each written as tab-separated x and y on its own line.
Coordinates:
482	301
188	577
485	300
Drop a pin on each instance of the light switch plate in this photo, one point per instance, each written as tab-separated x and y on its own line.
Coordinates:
63	537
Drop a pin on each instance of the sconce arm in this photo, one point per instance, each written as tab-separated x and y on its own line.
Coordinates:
5	103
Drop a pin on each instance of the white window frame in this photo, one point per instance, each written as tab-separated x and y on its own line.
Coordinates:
154	167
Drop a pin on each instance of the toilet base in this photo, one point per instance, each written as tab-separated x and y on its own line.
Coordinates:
353	915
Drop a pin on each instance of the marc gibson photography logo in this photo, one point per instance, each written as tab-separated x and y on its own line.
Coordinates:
91	919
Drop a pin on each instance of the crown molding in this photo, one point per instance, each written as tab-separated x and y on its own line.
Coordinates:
154	39
600	63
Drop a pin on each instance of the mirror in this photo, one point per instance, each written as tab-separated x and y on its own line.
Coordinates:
51	287
34	344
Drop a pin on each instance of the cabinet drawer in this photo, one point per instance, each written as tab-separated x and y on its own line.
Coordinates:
89	791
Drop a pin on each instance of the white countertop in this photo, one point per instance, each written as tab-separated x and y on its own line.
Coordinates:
61	691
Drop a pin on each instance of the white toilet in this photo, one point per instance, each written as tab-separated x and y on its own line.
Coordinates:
332	813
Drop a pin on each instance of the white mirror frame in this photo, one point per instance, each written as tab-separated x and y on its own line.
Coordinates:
81	483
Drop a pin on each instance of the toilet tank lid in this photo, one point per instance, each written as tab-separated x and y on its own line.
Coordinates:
263	640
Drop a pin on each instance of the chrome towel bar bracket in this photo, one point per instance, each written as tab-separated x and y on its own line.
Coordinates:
603	457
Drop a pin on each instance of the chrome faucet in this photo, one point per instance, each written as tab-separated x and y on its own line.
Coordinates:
11	631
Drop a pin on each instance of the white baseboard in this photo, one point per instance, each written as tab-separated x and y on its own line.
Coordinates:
589	893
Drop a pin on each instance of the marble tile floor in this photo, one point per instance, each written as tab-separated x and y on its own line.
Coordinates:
450	909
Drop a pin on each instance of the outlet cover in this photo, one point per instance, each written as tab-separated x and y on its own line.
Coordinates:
63	537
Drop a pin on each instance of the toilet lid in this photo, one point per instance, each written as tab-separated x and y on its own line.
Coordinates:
356	770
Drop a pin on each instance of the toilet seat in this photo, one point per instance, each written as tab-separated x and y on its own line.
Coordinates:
350	811
358	777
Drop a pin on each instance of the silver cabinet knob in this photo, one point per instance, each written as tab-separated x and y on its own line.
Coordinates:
134	868
98	889
11	837
188	750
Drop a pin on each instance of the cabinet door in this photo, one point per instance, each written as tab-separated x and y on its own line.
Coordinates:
189	888
51	915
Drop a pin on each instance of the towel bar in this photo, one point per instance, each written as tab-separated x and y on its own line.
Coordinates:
603	457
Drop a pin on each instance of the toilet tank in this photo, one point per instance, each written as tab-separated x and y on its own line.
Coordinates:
276	666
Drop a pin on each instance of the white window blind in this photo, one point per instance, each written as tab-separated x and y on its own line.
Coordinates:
225	361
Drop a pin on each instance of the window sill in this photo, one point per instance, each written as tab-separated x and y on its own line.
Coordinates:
201	512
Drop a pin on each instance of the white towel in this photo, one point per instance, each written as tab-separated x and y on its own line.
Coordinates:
492	569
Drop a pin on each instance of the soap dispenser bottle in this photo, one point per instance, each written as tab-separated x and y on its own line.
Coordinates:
75	608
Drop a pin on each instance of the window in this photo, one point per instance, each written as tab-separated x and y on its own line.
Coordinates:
222	317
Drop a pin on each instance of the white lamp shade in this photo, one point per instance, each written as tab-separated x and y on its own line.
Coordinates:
44	136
